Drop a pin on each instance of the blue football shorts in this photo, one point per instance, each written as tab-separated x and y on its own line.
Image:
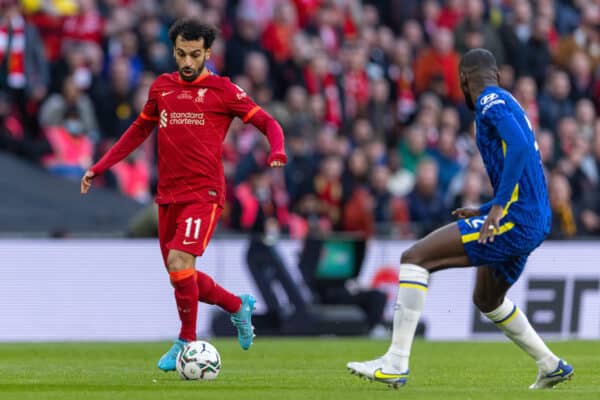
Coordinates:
508	253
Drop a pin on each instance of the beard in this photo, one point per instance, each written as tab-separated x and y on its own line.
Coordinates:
192	73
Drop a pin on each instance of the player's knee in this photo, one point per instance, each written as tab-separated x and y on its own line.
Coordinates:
412	256
486	302
178	261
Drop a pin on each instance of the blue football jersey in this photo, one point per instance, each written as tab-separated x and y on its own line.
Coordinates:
511	156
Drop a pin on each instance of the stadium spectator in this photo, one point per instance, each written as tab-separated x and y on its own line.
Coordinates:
277	36
114	106
585	38
329	190
14	138
379	110
547	145
581	76
474	21
445	155
87	25
133	177
515	34
245	39
554	101
390	212
412	148
590	204
24	71
538	51
574	147
436	68
526	93
72	149
564	214
585	115
320	79
471	195
54	108
425	202
259	206
299	173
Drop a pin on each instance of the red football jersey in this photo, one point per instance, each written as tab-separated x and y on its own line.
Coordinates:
193	119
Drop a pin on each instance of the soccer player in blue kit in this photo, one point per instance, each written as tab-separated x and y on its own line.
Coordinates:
497	238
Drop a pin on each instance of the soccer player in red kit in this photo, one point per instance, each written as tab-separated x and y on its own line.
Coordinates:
193	109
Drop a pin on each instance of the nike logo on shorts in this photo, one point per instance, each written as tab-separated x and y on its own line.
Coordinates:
186	242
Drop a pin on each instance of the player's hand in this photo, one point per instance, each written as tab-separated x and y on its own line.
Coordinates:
491	225
86	181
465	212
277	160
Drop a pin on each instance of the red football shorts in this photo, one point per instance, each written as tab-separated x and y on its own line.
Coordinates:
186	227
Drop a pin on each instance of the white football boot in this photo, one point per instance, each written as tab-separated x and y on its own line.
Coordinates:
563	372
379	370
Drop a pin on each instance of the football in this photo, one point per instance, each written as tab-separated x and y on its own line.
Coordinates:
198	360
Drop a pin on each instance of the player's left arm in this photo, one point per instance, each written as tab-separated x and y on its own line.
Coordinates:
241	105
515	148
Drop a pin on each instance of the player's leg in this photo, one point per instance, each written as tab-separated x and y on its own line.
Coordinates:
180	266
197	225
211	292
240	307
490	297
439	250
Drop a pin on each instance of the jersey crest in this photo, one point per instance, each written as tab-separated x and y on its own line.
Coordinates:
200	95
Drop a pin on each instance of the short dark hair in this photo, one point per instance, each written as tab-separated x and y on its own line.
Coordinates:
478	61
192	29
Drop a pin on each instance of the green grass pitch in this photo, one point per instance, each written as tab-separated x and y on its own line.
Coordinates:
290	368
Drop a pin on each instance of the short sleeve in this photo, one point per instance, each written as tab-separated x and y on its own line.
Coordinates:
237	101
150	110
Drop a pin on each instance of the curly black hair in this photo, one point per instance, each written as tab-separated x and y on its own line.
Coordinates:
191	29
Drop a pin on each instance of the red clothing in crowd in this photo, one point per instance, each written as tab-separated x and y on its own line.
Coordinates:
277	40
326	86
86	27
356	86
430	65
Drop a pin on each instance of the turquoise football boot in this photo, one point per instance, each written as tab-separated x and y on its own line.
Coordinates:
169	359
242	320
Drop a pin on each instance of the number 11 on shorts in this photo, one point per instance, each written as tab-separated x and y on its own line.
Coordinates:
188	227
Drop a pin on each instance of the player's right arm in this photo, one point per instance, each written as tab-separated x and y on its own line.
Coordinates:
135	135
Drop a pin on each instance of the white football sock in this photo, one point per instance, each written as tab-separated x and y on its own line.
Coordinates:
517	328
411	297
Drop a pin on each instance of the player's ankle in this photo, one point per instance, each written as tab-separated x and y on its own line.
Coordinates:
397	360
548	363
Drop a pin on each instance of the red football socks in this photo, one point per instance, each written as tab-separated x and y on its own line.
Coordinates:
186	297
211	293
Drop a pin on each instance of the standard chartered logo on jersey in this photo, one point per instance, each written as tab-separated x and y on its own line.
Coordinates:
181	118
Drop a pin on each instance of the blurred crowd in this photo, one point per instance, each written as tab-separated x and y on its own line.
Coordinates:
377	133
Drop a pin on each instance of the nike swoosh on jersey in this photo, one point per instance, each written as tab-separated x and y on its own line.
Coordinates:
382	375
167	93
186	242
